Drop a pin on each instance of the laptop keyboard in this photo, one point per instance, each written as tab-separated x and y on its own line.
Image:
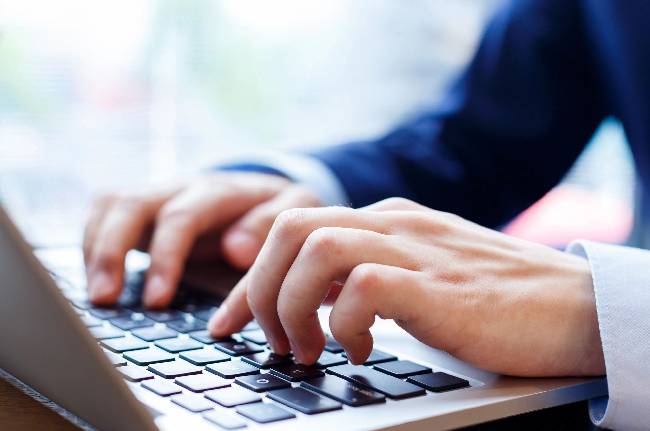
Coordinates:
237	380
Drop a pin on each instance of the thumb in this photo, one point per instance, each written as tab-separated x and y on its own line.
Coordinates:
233	313
243	240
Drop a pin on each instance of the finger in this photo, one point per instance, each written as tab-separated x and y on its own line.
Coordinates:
119	232
98	210
395	204
242	241
333	292
375	290
328	254
282	245
179	223
233	314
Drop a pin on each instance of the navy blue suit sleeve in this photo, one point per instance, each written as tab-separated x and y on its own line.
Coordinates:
508	130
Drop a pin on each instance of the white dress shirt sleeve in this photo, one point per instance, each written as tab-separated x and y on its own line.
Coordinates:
305	170
621	277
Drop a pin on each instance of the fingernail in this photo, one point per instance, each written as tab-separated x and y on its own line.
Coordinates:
154	291
100	286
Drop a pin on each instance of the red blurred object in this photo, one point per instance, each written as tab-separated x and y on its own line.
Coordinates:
570	212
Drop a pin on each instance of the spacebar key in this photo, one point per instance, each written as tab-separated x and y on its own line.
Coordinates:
390	386
343	391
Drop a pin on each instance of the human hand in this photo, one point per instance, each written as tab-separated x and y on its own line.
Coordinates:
500	303
222	215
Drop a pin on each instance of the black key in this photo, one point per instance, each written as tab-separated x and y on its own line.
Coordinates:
202	382
333	346
402	369
116	360
191	306
256	337
171	370
439	382
189	325
304	400
175	345
327	359
204	356
233	396
205	337
91	321
124	344
154	333
232	369
163	315
105	332
237	348
133	321
109	313
250	326
204	314
262	382
380	382
164	388
296	372
133	373
264	412
266	359
341	390
376	357
148	356
225	419
192	402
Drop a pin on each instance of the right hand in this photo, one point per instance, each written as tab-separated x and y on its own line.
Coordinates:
224	215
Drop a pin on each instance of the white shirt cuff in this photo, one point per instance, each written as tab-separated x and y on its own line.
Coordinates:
305	170
621	278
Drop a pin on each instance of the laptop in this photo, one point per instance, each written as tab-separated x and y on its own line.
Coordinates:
128	368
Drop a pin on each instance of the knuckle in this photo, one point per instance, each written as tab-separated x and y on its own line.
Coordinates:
363	278
289	222
442	222
324	240
421	220
397	203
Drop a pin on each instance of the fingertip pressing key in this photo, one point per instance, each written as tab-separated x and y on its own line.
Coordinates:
101	288
156	293
219	322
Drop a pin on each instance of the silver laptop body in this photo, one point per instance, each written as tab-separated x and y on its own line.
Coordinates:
46	346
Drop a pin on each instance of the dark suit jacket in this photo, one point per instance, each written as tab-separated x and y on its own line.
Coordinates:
546	73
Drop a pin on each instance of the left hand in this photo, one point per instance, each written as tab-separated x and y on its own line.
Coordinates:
500	303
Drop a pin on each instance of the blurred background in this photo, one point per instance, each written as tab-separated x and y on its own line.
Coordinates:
108	95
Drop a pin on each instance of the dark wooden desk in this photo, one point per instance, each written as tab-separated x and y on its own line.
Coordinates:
19	412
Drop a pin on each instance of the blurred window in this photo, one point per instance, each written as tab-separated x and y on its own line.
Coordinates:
99	95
